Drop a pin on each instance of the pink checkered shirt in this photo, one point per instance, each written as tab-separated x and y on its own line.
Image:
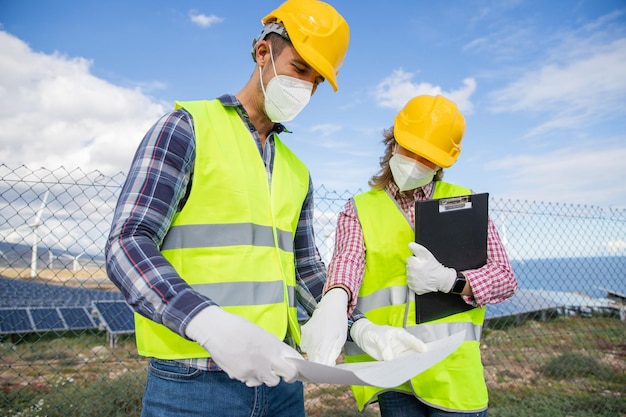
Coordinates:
493	283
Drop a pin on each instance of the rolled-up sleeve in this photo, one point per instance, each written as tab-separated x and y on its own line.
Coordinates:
495	282
347	266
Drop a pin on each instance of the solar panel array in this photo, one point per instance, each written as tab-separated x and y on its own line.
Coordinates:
36	319
25	293
28	307
536	300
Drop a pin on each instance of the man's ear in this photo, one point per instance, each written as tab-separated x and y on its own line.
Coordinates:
262	53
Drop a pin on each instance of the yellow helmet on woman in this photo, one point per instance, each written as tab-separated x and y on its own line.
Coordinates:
318	33
431	127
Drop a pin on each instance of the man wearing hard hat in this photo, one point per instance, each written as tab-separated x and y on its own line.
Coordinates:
376	259
214	215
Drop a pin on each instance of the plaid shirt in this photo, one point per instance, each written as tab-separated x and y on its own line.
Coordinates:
492	283
156	188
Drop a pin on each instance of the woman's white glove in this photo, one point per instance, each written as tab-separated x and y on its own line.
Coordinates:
384	343
425	273
326	332
242	349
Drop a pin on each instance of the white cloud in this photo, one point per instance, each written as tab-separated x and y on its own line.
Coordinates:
398	88
503	44
326	129
54	112
204	20
589	175
578	82
616	246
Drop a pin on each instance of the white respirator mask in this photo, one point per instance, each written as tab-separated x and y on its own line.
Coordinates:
409	173
285	96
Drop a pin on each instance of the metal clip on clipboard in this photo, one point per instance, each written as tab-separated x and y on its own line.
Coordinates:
454	203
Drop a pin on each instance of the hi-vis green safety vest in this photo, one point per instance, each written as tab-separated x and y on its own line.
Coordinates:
457	382
233	240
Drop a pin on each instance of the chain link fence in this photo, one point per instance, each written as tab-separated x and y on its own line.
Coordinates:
557	348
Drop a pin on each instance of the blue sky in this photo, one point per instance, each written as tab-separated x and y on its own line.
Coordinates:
542	85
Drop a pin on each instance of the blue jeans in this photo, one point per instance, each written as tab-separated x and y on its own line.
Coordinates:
173	390
397	404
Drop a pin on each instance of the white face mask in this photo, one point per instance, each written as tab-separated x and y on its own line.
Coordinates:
409	173
285	96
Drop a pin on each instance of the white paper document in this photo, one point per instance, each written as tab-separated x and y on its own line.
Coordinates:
386	374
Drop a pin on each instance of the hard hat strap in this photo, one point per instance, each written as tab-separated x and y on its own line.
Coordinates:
271	27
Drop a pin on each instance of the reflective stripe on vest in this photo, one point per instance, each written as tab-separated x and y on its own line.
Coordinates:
228	294
233	240
457	382
211	235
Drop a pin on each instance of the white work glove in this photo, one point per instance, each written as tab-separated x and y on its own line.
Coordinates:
242	349
384	343
425	273
326	332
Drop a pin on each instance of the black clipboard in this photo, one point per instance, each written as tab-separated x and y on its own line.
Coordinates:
454	230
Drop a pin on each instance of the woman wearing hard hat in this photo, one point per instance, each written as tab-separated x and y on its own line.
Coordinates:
376	259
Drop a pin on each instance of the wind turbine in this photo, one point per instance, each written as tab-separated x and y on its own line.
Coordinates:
69	255
35	225
37	222
75	264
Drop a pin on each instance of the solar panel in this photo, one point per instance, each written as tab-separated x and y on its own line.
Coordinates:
533	300
524	301
47	319
77	318
116	316
15	321
19	293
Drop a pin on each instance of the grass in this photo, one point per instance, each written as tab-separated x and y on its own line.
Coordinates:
333	401
66	397
554	402
565	367
569	384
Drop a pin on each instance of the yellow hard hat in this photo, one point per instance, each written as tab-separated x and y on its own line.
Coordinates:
432	127
318	33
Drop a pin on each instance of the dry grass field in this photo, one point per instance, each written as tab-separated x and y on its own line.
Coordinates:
89	277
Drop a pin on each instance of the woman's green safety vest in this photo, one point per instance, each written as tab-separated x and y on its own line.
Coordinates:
457	382
233	240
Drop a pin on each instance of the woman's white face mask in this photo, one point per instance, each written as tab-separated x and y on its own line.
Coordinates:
409	173
285	96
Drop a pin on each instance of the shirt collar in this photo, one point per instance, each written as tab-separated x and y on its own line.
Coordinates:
420	193
229	100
